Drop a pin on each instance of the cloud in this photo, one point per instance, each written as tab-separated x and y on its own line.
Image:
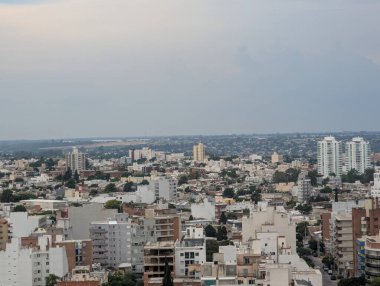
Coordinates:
76	68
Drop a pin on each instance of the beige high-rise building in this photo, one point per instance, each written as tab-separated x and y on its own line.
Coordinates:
199	152
277	158
76	160
3	233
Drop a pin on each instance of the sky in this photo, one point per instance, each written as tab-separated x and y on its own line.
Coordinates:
99	68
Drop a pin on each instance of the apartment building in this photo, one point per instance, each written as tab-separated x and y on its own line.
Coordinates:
190	251
372	257
111	241
161	227
156	255
342	243
270	220
365	222
4	235
164	187
76	160
199	152
28	266
329	155
358	155
78	252
375	189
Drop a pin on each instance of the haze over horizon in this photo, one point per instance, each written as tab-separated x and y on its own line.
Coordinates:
89	68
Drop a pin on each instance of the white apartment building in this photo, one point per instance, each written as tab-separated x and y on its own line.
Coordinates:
271	220
111	241
189	251
76	160
28	266
199	152
164	188
358	155
204	210
375	189
329	153
22	224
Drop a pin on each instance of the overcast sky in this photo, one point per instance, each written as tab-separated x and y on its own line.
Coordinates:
88	68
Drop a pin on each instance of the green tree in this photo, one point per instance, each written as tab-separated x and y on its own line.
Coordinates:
110	188
70	184
210	231
144	182
168	280
112	204
19	209
228	193
313	175
128	187
375	282
6	196
76	176
182	180
354	281
68	174
51	280
191	217
120	278
304	208
221	233
212	246
223	218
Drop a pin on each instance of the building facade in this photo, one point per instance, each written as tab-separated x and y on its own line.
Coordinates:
358	155
199	152
111	241
76	160
329	153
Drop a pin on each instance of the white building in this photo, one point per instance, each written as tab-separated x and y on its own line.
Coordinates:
25	266
358	154
375	189
329	153
164	188
190	250
205	210
22	225
271	220
111	241
76	160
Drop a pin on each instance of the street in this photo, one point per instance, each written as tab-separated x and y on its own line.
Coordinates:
326	281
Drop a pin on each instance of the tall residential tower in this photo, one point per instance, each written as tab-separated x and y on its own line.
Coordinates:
76	160
199	152
329	157
358	155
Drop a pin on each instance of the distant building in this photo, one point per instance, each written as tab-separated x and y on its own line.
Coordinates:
277	158
358	155
164	188
76	160
199	152
329	155
304	190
